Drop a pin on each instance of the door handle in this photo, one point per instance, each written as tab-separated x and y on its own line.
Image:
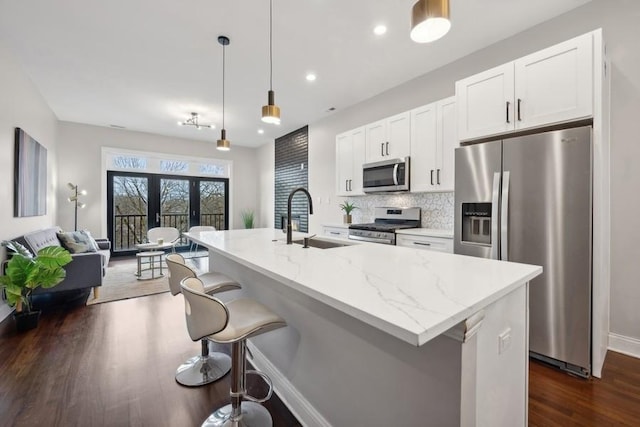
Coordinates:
508	105
438	177
504	218
387	148
382	149
495	196
431	176
519	102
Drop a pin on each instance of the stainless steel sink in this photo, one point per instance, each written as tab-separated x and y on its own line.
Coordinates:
322	244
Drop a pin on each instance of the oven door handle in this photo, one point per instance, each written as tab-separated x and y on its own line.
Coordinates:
372	239
395	174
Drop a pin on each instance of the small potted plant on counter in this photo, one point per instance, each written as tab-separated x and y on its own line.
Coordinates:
347	207
248	218
24	273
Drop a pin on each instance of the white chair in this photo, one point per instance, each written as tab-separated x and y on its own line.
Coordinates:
169	235
205	367
193	248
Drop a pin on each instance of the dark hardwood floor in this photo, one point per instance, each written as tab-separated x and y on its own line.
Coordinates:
113	364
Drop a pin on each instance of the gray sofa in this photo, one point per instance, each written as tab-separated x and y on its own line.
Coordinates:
84	272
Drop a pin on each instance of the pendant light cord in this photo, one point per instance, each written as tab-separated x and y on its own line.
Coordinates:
223	67
270	44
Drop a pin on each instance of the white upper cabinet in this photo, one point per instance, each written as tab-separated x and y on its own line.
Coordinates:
555	84
433	141
349	159
389	138
551	86
485	103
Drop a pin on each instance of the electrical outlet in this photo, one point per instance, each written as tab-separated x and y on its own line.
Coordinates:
504	341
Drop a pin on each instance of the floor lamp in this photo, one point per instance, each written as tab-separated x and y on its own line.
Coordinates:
74	199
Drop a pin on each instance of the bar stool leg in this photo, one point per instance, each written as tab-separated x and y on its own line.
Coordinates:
203	369
239	412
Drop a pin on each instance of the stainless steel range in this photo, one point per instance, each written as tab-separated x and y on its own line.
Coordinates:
387	221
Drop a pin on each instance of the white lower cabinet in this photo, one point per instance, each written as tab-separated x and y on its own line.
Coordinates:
440	244
336	231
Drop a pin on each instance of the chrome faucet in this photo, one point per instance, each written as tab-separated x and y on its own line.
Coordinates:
289	227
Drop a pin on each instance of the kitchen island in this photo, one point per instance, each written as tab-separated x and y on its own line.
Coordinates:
383	335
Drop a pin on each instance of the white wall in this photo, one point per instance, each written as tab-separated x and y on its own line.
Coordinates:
21	105
80	160
619	20
266	185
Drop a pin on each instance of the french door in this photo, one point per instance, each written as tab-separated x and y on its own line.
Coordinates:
137	202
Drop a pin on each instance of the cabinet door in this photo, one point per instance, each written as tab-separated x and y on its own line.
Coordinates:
398	143
424	133
344	163
447	143
555	84
357	159
375	139
337	232
485	103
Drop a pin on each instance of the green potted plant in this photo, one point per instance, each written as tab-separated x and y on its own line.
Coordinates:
247	218
347	207
24	273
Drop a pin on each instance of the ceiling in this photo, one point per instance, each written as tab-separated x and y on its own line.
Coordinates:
146	64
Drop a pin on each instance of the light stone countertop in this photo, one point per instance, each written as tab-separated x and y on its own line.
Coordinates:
428	232
412	294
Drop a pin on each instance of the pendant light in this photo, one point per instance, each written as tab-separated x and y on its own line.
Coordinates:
271	112
429	20
223	143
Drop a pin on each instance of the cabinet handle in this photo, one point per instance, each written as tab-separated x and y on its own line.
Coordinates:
422	243
387	148
346	185
382	149
350	181
519	102
508	105
431	176
333	232
438	177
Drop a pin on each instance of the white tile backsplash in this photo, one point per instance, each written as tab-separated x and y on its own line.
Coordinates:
437	208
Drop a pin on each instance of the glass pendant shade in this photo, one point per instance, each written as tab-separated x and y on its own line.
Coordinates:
430	20
223	144
271	112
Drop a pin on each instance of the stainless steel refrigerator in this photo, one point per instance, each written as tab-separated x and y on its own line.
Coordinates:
528	199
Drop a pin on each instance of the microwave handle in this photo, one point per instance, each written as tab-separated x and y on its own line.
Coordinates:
395	174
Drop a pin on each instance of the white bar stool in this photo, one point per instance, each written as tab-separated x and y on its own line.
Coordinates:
206	367
234	322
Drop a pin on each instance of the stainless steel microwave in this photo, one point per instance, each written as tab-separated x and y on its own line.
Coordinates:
385	176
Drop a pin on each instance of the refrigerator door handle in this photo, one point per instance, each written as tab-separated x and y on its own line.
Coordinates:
504	218
495	196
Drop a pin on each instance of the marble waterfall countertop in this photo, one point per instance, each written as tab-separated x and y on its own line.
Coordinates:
412	294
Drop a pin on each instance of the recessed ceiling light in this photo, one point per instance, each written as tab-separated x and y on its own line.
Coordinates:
380	30
260	131
311	77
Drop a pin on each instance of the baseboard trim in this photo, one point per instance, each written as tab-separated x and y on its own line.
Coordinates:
300	407
625	345
5	311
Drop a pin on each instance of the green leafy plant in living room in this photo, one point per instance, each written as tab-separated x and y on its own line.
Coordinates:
347	207
248	218
24	273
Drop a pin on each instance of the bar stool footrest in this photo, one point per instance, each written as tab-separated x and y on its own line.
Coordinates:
266	379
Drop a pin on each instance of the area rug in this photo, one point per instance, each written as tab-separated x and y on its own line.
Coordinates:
120	282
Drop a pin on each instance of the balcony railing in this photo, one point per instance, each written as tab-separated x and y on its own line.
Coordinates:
130	230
